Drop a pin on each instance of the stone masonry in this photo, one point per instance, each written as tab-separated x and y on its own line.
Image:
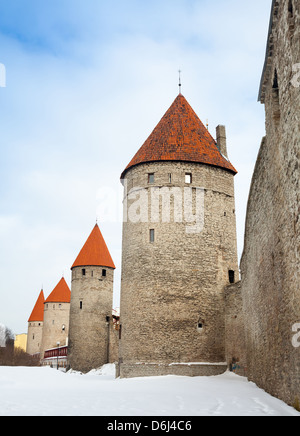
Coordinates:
271	258
90	317
173	273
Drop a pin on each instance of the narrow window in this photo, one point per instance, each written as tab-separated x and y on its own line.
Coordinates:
152	235
275	98
291	19
170	178
151	178
291	9
188	178
200	325
104	273
63	328
92	274
80	305
83	271
231	276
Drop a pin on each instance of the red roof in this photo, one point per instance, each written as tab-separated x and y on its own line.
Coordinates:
37	314
60	294
180	136
94	252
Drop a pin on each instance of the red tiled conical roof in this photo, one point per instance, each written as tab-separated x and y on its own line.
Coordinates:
60	294
37	315
94	252
180	136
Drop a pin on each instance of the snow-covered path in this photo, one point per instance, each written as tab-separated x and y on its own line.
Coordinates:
47	392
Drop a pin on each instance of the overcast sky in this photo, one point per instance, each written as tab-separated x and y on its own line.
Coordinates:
86	83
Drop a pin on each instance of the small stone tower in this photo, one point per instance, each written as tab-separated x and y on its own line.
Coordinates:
35	327
179	249
56	317
91	305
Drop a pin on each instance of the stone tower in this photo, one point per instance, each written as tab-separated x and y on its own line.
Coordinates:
179	249
270	264
91	305
56	317
35	327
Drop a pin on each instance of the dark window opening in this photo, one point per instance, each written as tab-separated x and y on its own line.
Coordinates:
104	273
200	325
152	235
231	276
151	178
80	305
275	98
83	272
291	19
291	9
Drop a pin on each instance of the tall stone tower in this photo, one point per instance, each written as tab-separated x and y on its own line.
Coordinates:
35	326
56	317
179	249
91	305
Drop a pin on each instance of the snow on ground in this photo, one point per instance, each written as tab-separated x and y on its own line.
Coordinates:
48	392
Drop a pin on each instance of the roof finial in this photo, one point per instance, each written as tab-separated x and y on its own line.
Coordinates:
179	71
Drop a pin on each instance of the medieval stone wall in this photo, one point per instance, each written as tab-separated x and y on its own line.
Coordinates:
235	343
270	263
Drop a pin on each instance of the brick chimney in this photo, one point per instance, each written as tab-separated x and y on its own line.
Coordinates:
221	140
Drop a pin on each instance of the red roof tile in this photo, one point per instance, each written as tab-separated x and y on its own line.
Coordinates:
180	136
37	314
60	294
94	252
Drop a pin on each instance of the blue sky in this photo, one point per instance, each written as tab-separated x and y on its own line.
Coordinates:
86	83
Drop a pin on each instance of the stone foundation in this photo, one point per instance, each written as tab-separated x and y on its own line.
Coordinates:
179	369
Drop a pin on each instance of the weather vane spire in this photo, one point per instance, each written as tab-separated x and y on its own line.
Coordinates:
179	71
